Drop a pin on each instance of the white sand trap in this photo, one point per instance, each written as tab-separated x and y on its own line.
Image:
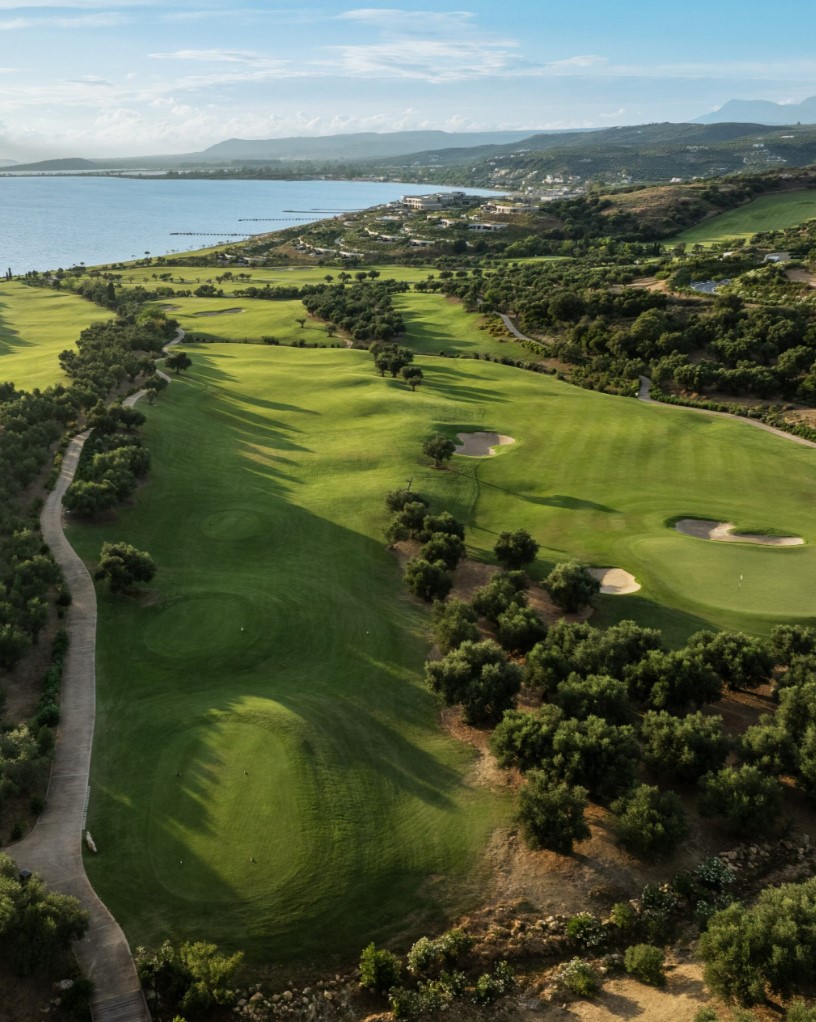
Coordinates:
481	445
219	312
615	581
723	532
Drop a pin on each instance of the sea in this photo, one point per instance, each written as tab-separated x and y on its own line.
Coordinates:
56	221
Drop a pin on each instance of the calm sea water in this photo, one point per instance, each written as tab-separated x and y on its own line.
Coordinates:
47	222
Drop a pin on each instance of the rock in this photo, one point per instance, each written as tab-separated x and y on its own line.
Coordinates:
287	995
64	984
256	997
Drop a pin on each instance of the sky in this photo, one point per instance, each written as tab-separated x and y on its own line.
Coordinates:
136	77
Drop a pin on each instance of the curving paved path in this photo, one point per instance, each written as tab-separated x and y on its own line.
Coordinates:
54	847
644	394
514	330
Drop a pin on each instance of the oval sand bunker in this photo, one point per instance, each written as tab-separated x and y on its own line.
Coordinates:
723	532
481	445
615	581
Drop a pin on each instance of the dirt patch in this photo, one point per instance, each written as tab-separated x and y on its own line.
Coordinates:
678	1001
615	581
799	276
723	532
481	445
219	312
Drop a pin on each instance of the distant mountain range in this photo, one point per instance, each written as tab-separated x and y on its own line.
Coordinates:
762	111
353	148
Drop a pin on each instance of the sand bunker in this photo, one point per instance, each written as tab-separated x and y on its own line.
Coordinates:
481	445
615	581
723	532
219	312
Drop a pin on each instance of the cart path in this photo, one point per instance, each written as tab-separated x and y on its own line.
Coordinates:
514	330
644	394
54	847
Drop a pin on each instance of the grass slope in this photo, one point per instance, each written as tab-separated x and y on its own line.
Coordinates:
768	213
279	644
276	276
276	639
35	326
434	324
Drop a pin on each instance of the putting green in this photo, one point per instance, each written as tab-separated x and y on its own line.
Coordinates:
264	512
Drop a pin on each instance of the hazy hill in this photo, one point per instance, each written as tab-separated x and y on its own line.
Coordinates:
362	146
72	163
762	111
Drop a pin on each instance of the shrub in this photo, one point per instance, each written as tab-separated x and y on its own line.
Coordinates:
749	801
500	593
645	962
770	946
579	978
454	622
742	661
515	549
379	969
684	748
444	548
599	756
650	822
587	930
596	695
520	628
623	916
552	814
396	500
525	740
479	676
427	581
571	586
491	986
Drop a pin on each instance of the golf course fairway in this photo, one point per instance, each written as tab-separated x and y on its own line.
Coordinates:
268	770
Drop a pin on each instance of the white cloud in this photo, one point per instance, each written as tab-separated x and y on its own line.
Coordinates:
102	20
213	56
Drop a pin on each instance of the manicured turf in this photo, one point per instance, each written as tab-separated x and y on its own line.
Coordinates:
216	319
36	324
276	276
280	644
436	324
768	213
276	639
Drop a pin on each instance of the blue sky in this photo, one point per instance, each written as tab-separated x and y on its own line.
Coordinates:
123	77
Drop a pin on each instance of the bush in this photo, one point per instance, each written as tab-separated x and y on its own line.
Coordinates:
454	622
444	548
749	801
650	822
599	756
623	916
501	592
587	930
379	969
515	549
770	946
645	962
552	814
479	676
520	628
491	986
596	695
427	581
525	740
427	956
579	978
684	748
571	586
